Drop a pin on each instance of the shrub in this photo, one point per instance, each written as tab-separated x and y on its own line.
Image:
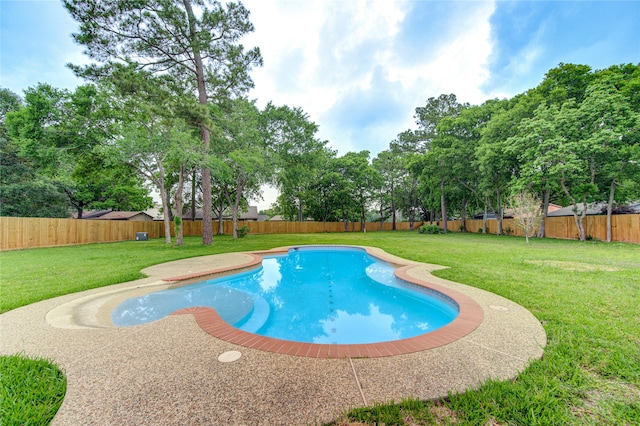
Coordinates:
430	229
243	231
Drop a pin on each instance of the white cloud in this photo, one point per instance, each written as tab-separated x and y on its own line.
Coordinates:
324	56
459	66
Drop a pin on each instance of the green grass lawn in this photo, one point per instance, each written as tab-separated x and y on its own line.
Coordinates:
586	295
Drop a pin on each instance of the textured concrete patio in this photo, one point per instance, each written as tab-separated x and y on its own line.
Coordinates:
167	372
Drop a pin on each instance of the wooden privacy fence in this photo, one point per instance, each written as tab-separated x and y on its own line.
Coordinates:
18	233
624	228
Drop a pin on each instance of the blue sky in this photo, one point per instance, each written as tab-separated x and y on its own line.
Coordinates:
360	68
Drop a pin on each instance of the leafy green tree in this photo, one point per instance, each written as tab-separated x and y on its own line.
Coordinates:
197	47
358	179
535	145
9	101
498	165
38	129
608	128
153	142
428	117
244	161
408	146
326	192
457	142
436	173
23	193
390	168
298	155
97	183
34	156
565	82
60	134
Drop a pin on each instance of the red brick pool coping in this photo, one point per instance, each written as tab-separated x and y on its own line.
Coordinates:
469	318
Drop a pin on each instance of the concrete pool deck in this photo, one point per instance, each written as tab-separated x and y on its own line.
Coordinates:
167	372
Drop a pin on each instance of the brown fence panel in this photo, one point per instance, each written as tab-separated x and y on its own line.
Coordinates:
626	228
19	232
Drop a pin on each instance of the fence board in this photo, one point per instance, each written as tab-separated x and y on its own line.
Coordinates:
17	232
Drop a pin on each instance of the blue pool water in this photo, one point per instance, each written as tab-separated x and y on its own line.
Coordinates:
312	295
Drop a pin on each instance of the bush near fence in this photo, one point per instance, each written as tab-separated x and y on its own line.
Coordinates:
18	233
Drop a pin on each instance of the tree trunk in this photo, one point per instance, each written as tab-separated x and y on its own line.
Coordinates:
499	213
463	216
236	206
234	218
168	194
299	209
193	197
582	236
166	210
484	220
612	192
545	209
177	206
578	220
393	210
221	218
207	205
166	219
443	207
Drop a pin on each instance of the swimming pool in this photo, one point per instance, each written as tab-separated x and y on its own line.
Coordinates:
325	295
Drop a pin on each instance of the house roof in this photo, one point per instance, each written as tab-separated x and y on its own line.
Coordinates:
122	215
91	214
568	211
251	214
553	207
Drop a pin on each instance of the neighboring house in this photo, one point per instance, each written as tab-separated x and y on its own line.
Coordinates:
115	215
553	208
508	213
251	214
635	207
568	211
631	208
155	212
276	218
90	214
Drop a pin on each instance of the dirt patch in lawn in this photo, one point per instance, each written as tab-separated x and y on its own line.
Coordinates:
573	266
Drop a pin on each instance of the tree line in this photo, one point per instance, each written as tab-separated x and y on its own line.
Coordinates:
166	105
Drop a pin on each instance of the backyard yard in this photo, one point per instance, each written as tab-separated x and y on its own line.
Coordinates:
585	294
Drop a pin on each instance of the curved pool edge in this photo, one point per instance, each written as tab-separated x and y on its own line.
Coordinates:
470	316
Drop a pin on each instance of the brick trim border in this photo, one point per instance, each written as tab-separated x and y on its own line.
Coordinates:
470	316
